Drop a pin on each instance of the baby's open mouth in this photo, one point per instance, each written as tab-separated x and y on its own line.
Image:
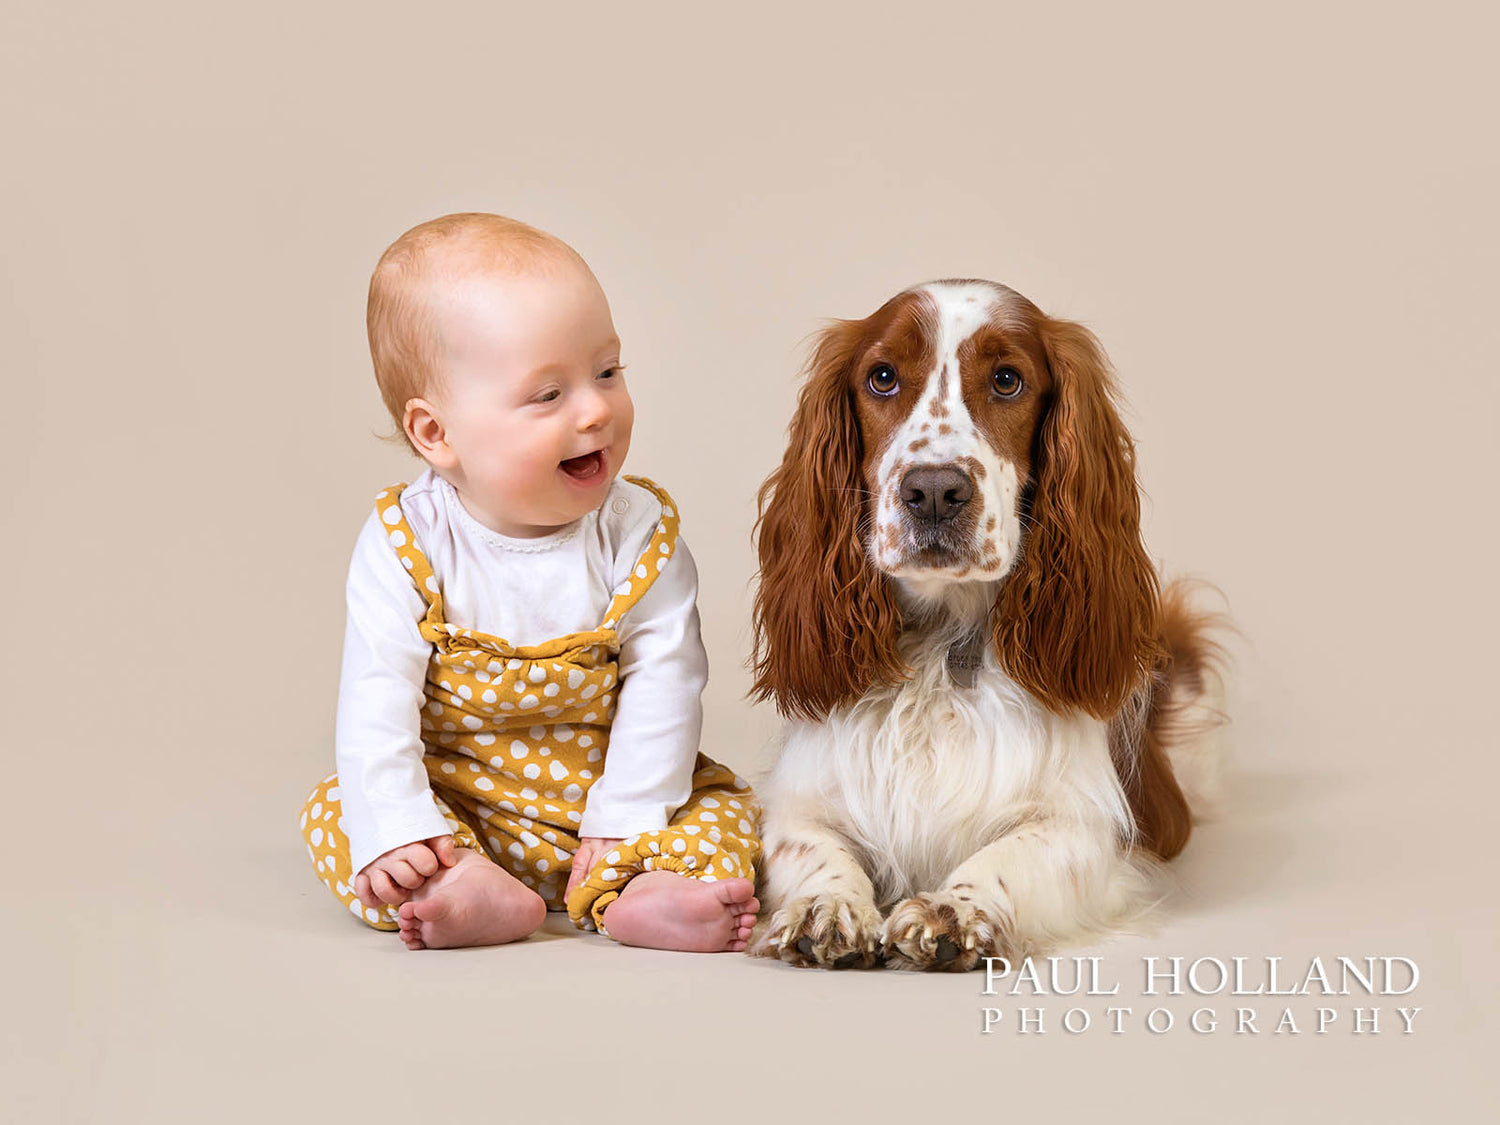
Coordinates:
585	469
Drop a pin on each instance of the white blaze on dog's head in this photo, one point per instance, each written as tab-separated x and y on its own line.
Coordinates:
956	450
957	425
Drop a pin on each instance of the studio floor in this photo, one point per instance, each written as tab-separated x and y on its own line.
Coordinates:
191	983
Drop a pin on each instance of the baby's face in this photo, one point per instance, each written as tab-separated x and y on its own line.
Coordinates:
532	397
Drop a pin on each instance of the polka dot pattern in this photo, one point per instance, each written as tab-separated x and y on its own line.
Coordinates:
690	845
328	847
514	735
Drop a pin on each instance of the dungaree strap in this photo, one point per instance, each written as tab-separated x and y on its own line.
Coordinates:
433	626
388	505
653	559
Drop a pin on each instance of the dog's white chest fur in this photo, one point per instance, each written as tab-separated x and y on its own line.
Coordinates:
920	776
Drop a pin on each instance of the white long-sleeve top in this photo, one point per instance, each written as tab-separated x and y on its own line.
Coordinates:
525	591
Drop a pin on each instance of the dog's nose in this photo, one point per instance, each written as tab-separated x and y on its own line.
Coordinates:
936	493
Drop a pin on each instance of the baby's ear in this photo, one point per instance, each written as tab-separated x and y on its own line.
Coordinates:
424	431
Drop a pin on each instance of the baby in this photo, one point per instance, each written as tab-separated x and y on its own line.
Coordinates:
519	707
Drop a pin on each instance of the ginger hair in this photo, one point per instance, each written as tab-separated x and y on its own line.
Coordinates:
406	344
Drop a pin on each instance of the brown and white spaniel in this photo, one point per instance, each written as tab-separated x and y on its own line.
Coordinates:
994	707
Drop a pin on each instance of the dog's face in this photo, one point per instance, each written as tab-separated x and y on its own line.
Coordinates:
960	447
949	386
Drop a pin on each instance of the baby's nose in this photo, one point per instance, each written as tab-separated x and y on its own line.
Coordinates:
595	412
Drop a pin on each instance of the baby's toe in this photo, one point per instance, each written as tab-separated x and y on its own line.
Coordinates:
434	909
734	892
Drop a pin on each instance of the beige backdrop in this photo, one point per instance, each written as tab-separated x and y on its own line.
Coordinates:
1279	219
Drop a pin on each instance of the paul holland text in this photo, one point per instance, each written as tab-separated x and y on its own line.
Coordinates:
1339	995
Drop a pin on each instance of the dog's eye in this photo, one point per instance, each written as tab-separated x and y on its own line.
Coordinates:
883	380
1007	382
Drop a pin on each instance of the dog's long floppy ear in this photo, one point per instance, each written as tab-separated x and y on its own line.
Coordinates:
825	622
1078	622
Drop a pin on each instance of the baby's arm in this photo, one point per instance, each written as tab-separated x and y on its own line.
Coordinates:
388	806
653	740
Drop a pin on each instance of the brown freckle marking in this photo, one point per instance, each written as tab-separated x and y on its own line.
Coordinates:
944	428
962	572
989	524
918	444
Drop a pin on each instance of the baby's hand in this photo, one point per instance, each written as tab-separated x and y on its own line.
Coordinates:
590	848
389	879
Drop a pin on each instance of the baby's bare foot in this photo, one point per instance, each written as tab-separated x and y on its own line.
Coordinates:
474	902
665	910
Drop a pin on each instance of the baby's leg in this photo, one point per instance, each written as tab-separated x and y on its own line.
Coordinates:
690	886
328	848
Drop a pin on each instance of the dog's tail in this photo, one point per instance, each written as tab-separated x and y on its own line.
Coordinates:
1187	719
1167	743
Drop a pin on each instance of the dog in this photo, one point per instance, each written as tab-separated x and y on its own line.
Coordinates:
995	705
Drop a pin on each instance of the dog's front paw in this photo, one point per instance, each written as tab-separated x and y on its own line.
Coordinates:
823	932
940	932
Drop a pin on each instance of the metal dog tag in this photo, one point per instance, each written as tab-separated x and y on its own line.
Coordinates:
965	659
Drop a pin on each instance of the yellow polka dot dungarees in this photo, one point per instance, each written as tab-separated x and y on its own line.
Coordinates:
514	738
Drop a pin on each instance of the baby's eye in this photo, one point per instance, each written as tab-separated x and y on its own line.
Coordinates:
547	396
609	373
